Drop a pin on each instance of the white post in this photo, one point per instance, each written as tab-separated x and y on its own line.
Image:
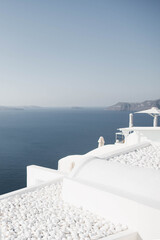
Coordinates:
155	121
101	142
131	120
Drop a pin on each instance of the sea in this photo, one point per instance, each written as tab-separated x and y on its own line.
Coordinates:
43	136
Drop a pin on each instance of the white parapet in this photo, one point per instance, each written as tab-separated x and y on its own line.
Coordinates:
67	164
37	175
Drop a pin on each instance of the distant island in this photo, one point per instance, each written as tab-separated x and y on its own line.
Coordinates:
132	107
3	108
120	106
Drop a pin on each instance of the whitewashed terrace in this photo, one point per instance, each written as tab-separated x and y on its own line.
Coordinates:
41	214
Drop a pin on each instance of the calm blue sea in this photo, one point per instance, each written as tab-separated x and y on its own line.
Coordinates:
42	137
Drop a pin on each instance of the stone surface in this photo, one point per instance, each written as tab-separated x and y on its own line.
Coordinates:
148	157
42	214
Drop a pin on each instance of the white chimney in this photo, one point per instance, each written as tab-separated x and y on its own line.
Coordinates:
155	121
101	142
131	120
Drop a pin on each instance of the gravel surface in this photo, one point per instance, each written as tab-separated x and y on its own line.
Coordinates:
147	157
42	214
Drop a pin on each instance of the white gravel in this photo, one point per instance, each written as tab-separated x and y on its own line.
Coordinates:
42	214
147	157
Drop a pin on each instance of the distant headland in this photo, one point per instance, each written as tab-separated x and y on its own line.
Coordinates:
131	107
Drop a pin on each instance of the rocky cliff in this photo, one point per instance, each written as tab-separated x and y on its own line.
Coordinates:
132	107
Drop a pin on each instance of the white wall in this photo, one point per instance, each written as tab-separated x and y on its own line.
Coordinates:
37	175
29	189
125	235
145	220
153	134
66	164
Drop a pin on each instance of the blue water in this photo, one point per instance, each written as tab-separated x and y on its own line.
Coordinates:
42	137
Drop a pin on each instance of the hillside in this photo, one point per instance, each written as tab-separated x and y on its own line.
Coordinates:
132	107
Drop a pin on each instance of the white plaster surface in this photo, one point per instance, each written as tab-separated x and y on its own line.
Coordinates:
131	182
140	217
66	164
124	235
106	149
37	175
41	214
149	133
133	172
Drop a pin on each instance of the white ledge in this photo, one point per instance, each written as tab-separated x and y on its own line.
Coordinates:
37	175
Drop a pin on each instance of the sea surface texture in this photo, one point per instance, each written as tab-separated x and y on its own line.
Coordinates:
42	137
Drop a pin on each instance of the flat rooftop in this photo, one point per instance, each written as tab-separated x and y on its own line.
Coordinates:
140	129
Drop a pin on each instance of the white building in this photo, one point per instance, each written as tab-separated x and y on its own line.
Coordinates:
112	192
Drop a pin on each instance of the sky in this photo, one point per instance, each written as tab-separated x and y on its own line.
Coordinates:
62	53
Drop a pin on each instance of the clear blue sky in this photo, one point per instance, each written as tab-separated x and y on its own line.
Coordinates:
79	52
